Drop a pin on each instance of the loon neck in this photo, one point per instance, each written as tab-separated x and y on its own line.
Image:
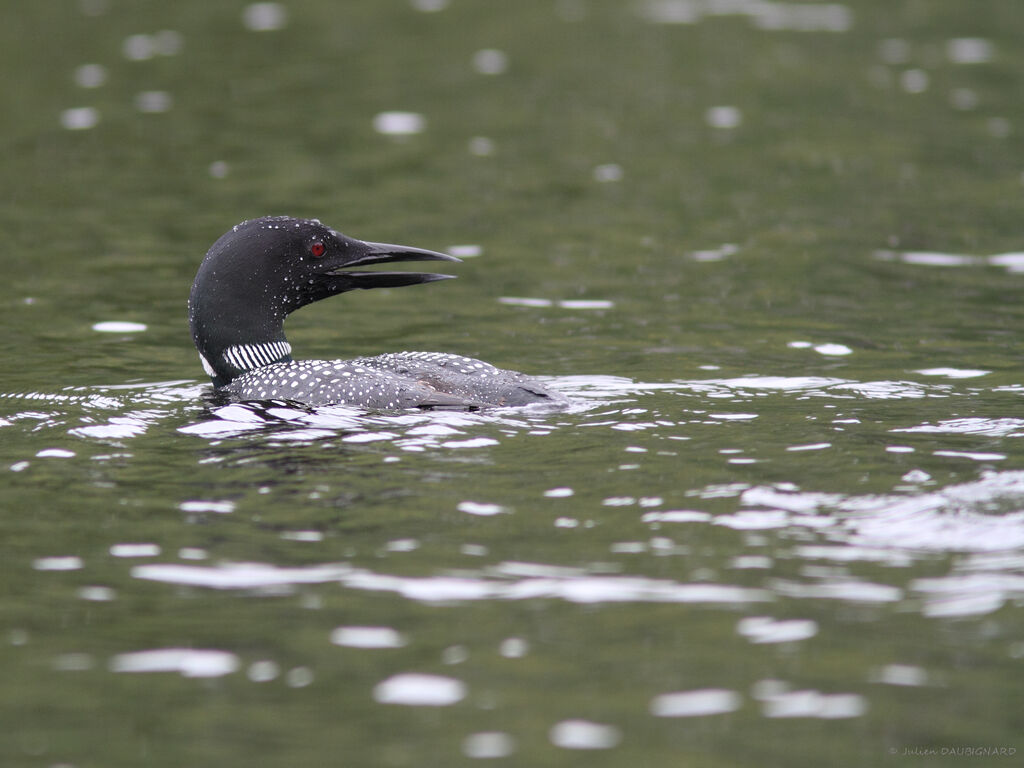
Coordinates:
234	337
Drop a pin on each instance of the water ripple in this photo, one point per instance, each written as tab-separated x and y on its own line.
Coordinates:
980	515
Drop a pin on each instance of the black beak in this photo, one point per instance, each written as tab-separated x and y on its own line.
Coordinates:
362	254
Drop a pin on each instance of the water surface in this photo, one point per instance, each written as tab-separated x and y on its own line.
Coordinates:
772	253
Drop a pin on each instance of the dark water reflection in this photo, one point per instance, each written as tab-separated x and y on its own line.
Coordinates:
782	520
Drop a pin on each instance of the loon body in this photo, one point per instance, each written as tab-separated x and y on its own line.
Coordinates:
264	269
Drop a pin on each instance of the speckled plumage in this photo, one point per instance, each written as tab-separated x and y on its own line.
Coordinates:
391	382
263	269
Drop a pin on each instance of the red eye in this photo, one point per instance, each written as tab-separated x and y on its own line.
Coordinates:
317	250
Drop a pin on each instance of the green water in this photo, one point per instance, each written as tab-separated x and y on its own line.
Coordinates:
772	255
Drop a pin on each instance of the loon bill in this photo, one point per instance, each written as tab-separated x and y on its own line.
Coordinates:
262	270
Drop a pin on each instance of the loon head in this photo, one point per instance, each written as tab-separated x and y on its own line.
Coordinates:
264	269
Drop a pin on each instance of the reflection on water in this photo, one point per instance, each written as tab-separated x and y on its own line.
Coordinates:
1011	262
779	702
486	745
417	690
709	701
554	584
189	662
802	17
367	637
583	734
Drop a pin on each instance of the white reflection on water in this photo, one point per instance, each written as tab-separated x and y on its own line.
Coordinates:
97	594
153	102
968	594
298	677
478	508
263	671
367	637
119	326
708	701
188	661
982	519
1012	262
724	117
1002	427
954	373
753	520
849	590
490	61
488	744
810	703
587	589
429	6
135	550
264	17
764	629
763	14
80	118
54	453
970	50
418	690
118	428
900	674
583	734
241	575
399	123
676	516
550	582
198	506
90	75
66	563
981	515
513	647
814	386
957	517
126	423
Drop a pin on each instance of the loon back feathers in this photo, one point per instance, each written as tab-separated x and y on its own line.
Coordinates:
264	269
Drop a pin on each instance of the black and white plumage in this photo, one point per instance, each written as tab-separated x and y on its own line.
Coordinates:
264	269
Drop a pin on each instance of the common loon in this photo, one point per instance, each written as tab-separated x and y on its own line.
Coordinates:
264	269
